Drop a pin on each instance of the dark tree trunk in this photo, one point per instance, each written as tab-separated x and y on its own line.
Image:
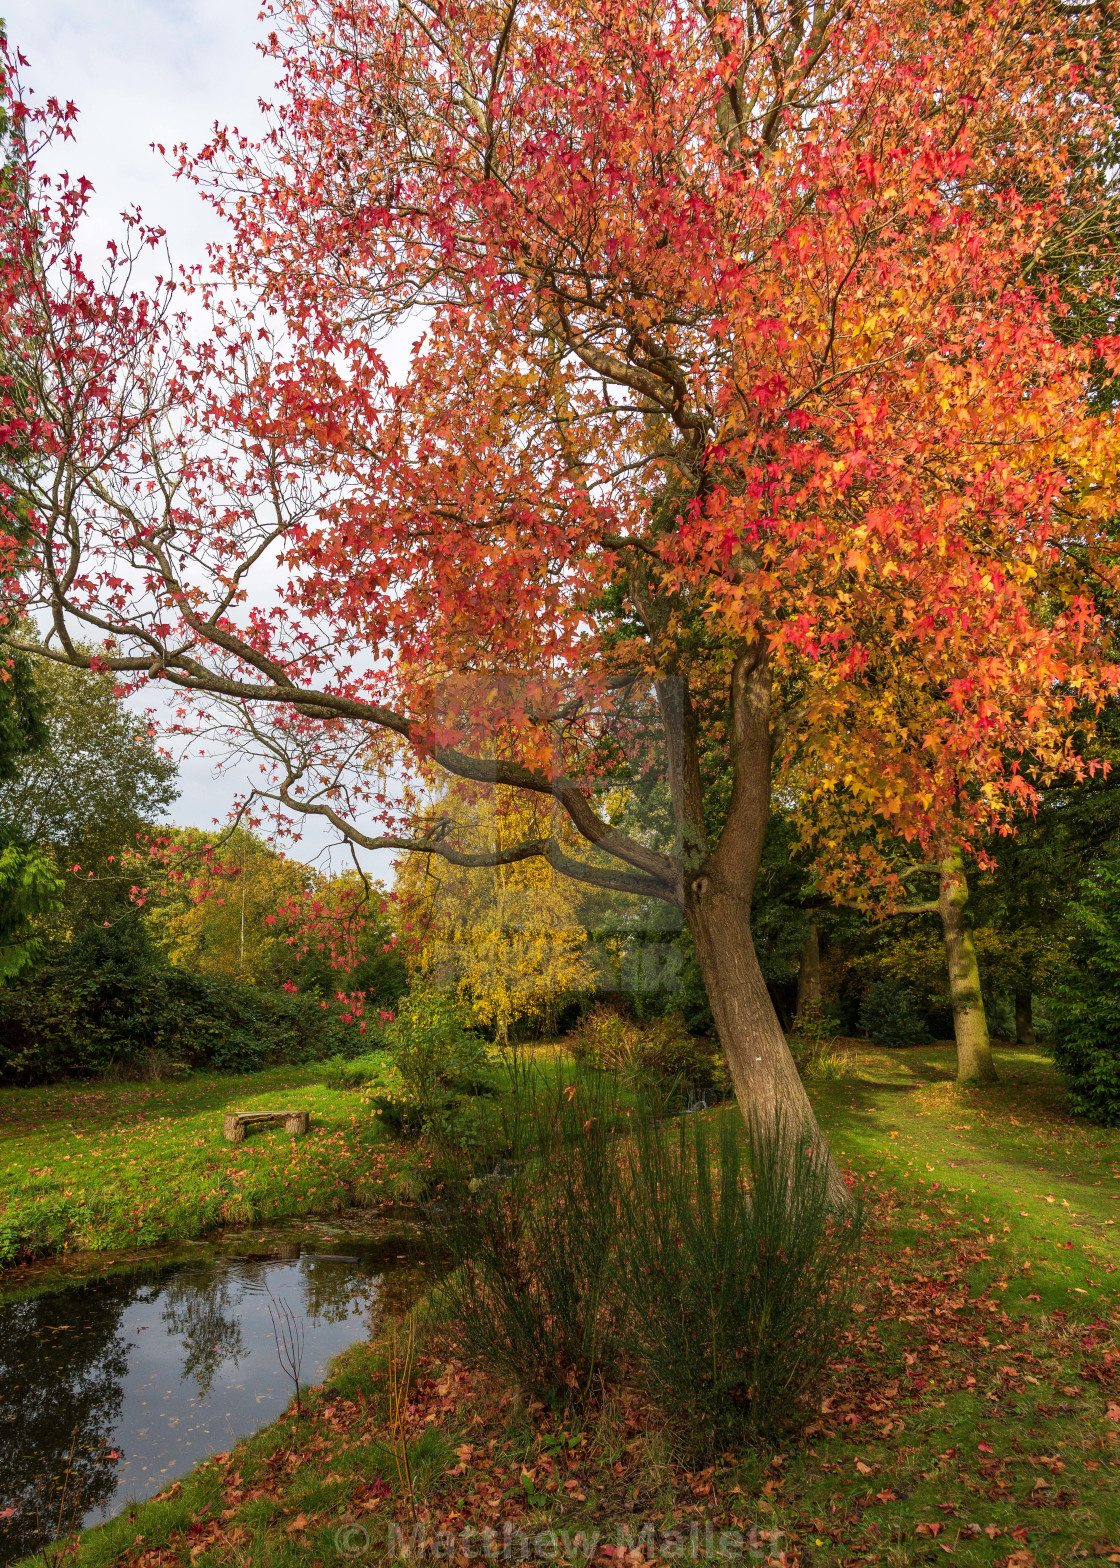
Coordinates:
809	976
717	903
1024	1018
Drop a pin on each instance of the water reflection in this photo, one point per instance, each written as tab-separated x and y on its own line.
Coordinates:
206	1322
110	1389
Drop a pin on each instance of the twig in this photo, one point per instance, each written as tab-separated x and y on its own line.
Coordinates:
287	1331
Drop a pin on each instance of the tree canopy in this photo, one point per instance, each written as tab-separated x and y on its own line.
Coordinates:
738	418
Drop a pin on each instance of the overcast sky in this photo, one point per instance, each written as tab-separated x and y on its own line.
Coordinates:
144	71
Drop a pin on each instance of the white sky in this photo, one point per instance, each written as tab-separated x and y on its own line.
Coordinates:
144	71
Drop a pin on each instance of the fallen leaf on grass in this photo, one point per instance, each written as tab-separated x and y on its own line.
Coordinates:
862	1468
298	1523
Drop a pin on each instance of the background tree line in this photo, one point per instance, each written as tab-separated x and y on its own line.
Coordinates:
129	946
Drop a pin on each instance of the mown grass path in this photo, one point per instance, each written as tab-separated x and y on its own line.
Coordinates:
105	1166
1051	1182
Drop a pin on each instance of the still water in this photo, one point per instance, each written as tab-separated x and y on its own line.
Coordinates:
127	1381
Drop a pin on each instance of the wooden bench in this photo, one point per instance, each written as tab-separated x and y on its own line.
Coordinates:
237	1123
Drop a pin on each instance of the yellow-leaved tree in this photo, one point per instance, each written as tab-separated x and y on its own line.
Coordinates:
508	937
219	909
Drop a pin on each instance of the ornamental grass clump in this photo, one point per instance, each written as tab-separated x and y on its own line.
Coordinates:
533	1243
737	1276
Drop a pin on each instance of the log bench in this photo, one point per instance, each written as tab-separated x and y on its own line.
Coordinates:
236	1124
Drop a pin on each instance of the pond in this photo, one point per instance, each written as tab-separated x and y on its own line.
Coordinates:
112	1387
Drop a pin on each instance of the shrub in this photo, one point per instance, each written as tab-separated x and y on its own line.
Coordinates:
606	1039
445	1078
663	1046
345	1072
533	1244
892	1016
433	1049
1085	1009
105	1003
812	1043
398	1113
736	1289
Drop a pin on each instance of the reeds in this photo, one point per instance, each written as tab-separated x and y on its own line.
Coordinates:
737	1273
534	1247
400	1373
714	1262
287	1331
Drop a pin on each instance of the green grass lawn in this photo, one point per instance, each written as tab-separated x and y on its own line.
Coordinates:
1051	1183
104	1166
974	1413
107	1166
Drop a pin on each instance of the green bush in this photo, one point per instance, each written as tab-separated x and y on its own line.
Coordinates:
812	1041
1085	1009
892	1016
432	1047
445	1076
105	1003
346	1072
737	1283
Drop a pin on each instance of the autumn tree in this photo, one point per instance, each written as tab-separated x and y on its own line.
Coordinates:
232	904
508	937
736	400
219	908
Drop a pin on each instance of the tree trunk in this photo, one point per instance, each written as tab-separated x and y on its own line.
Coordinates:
809	976
1024	1018
717	901
767	1084
974	1051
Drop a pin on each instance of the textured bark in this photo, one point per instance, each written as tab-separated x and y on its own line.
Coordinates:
970	1023
767	1084
809	975
1024	1018
718	898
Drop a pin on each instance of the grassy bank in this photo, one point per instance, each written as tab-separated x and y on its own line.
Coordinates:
974	1411
1052	1183
109	1166
105	1166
